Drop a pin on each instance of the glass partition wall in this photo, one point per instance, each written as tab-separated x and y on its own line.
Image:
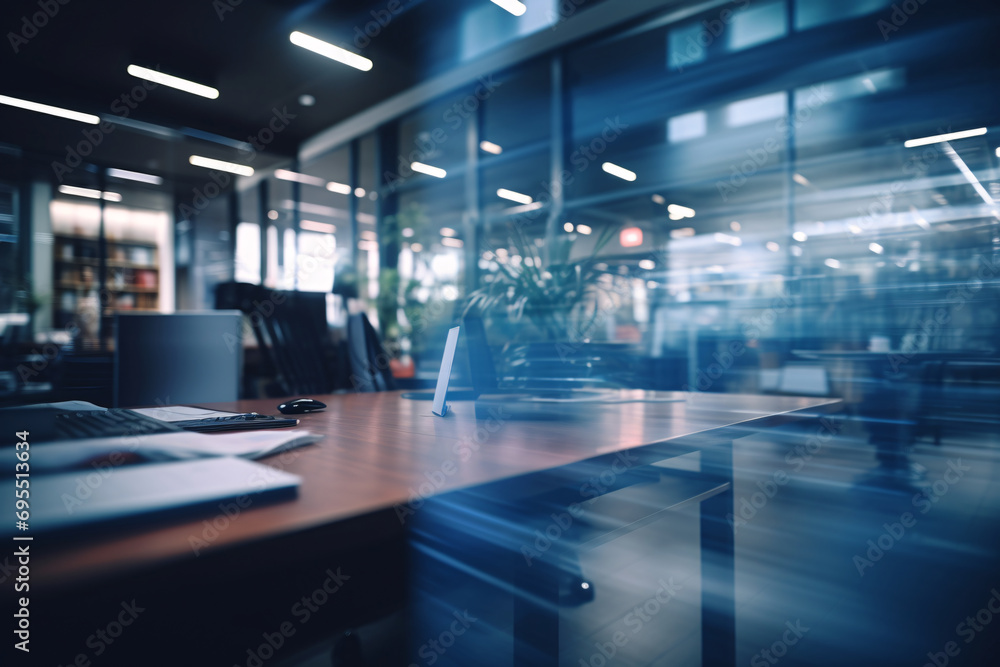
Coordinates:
677	187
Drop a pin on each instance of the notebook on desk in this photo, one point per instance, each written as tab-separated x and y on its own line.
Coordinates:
57	503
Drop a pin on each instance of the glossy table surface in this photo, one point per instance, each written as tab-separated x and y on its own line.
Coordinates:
382	450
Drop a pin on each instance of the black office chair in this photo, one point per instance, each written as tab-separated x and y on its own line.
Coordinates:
290	330
369	360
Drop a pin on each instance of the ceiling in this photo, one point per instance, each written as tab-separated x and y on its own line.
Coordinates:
77	59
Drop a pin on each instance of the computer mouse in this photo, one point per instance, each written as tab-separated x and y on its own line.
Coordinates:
300	405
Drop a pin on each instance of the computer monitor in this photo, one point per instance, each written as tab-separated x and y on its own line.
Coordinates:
166	359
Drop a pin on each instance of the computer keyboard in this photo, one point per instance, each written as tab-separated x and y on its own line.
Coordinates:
114	422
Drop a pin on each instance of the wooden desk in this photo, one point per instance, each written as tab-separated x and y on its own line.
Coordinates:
380	450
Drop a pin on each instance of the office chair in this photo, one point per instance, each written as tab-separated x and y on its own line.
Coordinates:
369	360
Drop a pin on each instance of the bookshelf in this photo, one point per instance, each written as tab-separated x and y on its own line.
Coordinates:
132	276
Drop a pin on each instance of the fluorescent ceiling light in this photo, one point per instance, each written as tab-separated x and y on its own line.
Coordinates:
832	263
134	176
52	111
801	180
452	243
513	6
173	82
620	172
286	175
969	176
314	226
951	136
735	226
876	248
513	196
436	172
772	246
490	147
330	51
89	193
369	235
801	237
447	231
728	239
209	163
584	229
647	264
339	188
998	151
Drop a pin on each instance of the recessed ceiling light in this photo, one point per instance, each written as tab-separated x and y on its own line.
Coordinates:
89	193
286	175
876	248
330	51
135	176
801	237
583	229
90	119
678	212
772	246
447	231
173	82
452	243
938	138
513	6
210	163
307	100
647	264
416	247
832	263
359	192
659	199
490	147
801	180
436	172
735	226
272	214
513	196
568	226
407	232
620	172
